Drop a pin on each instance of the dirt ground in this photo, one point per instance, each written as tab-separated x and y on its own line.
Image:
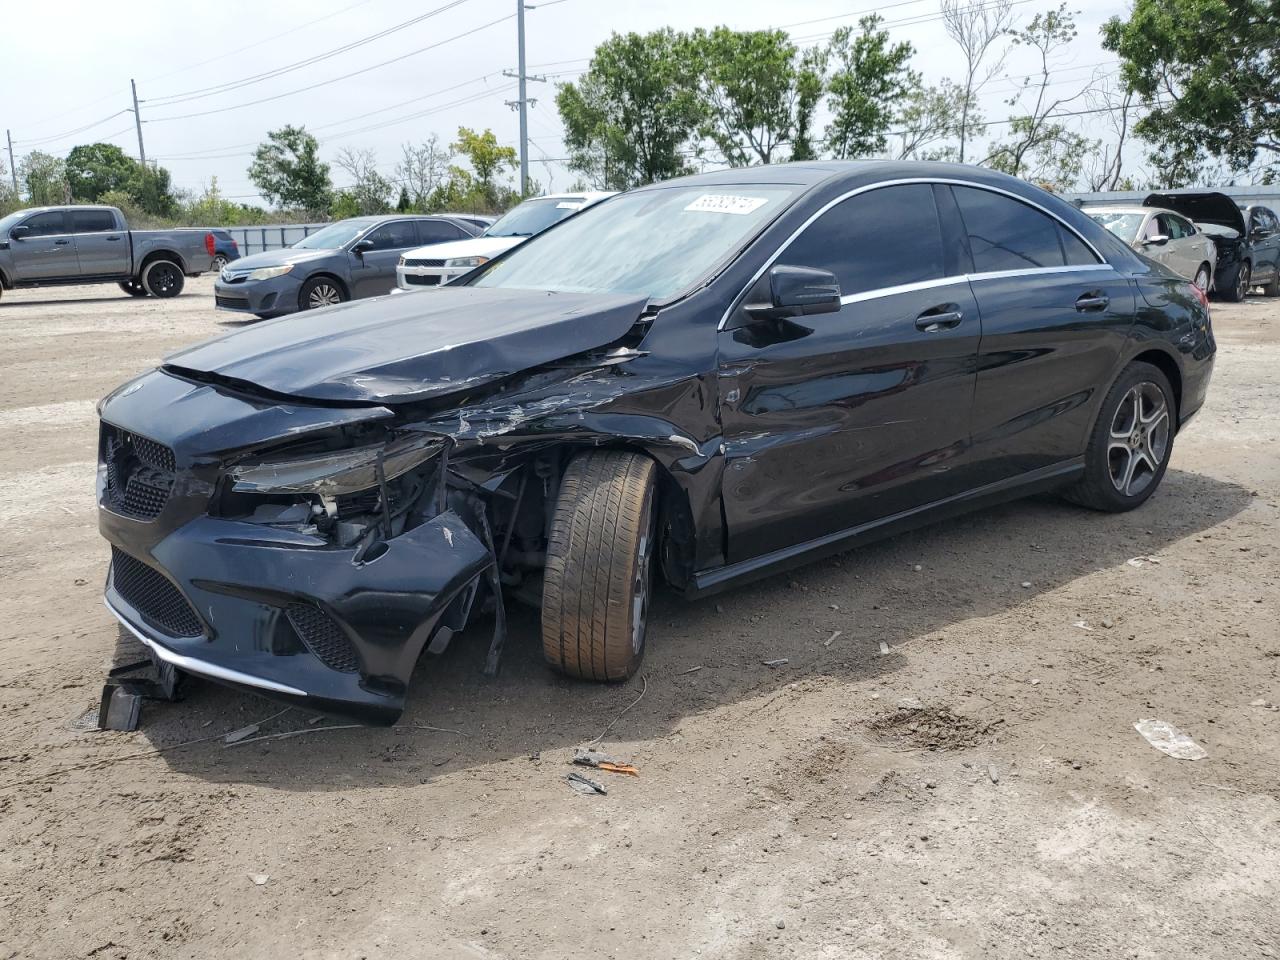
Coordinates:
954	774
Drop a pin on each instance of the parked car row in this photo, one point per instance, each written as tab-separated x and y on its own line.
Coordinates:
1204	236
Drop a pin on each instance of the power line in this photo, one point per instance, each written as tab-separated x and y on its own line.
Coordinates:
346	76
230	85
71	133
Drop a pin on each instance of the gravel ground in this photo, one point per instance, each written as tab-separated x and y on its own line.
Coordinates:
955	774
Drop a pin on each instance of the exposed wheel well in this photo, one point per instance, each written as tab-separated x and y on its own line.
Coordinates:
1169	367
155	255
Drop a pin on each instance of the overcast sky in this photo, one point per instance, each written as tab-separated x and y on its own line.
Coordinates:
79	74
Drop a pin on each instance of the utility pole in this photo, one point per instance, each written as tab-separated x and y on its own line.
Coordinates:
13	167
522	104
137	119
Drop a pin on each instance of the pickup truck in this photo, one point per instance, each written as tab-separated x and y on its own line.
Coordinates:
51	246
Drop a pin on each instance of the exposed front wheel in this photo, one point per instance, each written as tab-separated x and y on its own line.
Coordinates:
133	288
598	580
163	278
1131	441
1244	277
319	292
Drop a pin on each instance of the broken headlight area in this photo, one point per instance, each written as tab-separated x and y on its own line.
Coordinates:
351	496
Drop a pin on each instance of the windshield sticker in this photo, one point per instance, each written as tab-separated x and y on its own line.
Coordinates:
725	203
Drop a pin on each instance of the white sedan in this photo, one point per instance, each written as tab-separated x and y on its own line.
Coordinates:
438	263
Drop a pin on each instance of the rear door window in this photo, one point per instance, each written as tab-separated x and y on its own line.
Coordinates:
882	238
1006	234
438	231
92	221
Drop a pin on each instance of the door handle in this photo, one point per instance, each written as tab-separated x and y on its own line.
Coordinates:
943	317
113	238
61	243
1092	302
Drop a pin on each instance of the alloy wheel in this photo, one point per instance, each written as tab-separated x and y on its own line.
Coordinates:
163	278
323	295
1139	439
1242	282
641	586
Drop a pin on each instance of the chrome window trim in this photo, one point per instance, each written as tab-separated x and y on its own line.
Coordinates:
192	665
1102	263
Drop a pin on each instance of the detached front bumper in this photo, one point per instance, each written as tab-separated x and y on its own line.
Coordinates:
287	615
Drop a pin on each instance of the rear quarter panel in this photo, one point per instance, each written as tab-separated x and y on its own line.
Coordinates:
187	245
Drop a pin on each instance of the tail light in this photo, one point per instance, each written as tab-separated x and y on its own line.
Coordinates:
210	244
1200	295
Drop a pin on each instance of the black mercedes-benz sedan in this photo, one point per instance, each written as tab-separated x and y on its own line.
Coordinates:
703	381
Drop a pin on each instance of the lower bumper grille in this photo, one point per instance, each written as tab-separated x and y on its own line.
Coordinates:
420	281
323	637
150	593
231	303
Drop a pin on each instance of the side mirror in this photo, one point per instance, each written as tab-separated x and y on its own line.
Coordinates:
19	232
1159	240
359	248
797	292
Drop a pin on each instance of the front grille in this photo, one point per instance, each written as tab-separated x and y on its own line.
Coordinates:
149	592
423	263
140	473
421	281
231	303
323	637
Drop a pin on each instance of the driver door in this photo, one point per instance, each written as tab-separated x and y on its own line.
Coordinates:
47	251
373	270
836	420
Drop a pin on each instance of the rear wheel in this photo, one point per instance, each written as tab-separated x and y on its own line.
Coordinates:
1131	441
1202	279
219	261
595	596
163	278
320	292
1272	289
133	288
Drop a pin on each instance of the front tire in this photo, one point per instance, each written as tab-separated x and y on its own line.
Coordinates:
598	579
320	292
1243	278
163	279
1131	442
133	288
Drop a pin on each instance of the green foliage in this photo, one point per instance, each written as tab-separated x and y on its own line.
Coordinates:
211	209
869	76
95	168
1210	71
488	160
45	178
931	119
422	169
631	118
288	171
404	204
369	193
760	92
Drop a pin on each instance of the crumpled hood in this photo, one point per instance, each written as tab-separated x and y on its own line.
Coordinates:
1203	207
276	258
402	349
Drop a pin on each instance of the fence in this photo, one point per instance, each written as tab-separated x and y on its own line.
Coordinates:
256	239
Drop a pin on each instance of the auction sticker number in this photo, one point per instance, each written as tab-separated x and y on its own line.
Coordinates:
726	203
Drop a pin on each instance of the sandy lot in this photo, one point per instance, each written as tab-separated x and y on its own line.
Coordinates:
796	811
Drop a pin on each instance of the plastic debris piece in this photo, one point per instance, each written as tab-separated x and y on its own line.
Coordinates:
259	879
827	642
1141	561
1168	739
1082	625
993	773
585	784
775	663
884	649
235	736
691	670
586	757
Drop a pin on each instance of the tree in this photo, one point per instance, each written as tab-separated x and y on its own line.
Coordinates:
152	190
95	168
423	168
1105	167
369	192
45	177
977	29
1037	147
930	119
288	171
488	160
405	203
761	93
631	117
869	75
1209	72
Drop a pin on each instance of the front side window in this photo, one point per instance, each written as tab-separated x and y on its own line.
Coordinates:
92	221
882	238
653	243
1006	234
392	236
45	224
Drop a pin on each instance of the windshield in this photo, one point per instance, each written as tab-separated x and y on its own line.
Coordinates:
654	242
333	236
1123	225
534	216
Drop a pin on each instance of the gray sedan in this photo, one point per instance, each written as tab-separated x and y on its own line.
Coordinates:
346	260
